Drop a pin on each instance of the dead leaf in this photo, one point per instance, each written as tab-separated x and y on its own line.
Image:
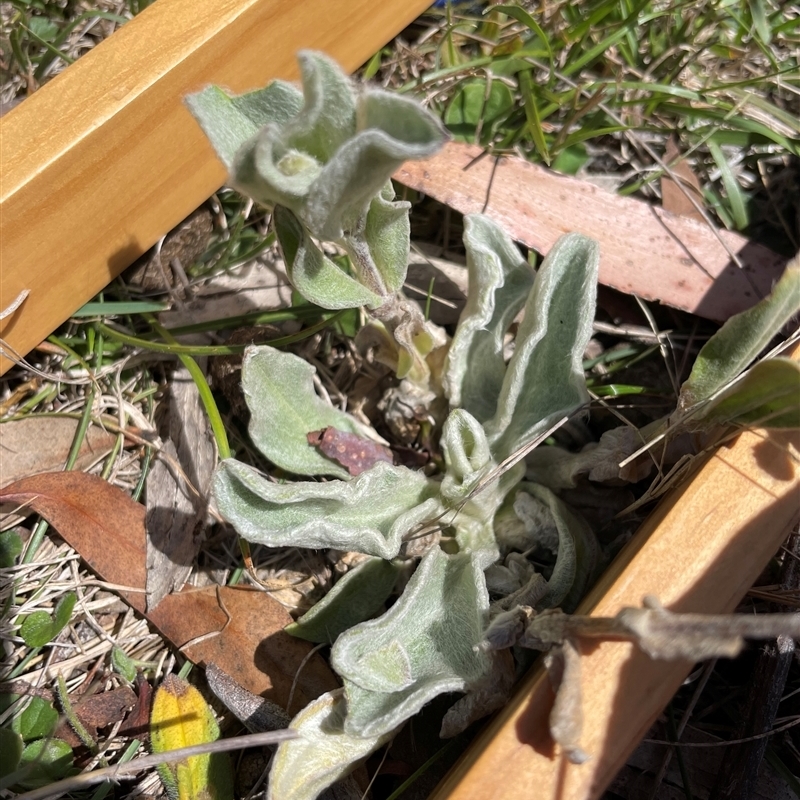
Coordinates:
176	490
675	194
41	444
137	723
646	251
349	450
492	693
96	712
237	628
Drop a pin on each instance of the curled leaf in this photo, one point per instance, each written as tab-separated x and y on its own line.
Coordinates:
312	273
499	282
324	752
369	514
229	122
356	596
423	646
545	380
577	549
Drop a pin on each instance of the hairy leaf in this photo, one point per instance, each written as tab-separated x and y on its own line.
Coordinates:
499	282
767	395
312	273
737	343
229	122
356	596
369	514
577	551
327	162
279	390
304	767
545	379
422	647
388	231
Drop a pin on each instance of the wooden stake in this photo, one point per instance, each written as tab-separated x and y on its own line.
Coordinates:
105	159
700	551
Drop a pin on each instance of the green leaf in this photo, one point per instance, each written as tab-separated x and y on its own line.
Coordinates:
388	233
279	389
391	130
39	628
312	273
229	121
328	117
37	720
49	760
545	379
10	548
578	552
767	396
369	514
44	28
304	767
472	104
11	748
123	664
63	612
466	454
356	596
36	629
739	341
571	159
733	190
422	647
499	281
534	126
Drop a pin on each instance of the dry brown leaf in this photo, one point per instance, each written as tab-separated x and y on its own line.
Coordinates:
645	250
675	195
239	629
176	490
42	444
96	712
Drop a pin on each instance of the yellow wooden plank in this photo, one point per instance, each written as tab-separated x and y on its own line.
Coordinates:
700	551
105	159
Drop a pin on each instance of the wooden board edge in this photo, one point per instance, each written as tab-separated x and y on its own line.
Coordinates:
91	186
699	551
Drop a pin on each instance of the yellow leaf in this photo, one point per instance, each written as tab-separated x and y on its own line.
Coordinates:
180	718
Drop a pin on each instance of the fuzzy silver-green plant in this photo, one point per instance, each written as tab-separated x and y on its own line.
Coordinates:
427	644
322	160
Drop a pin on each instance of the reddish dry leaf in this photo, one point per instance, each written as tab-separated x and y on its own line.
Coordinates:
644	250
351	451
96	712
239	629
42	444
137	723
